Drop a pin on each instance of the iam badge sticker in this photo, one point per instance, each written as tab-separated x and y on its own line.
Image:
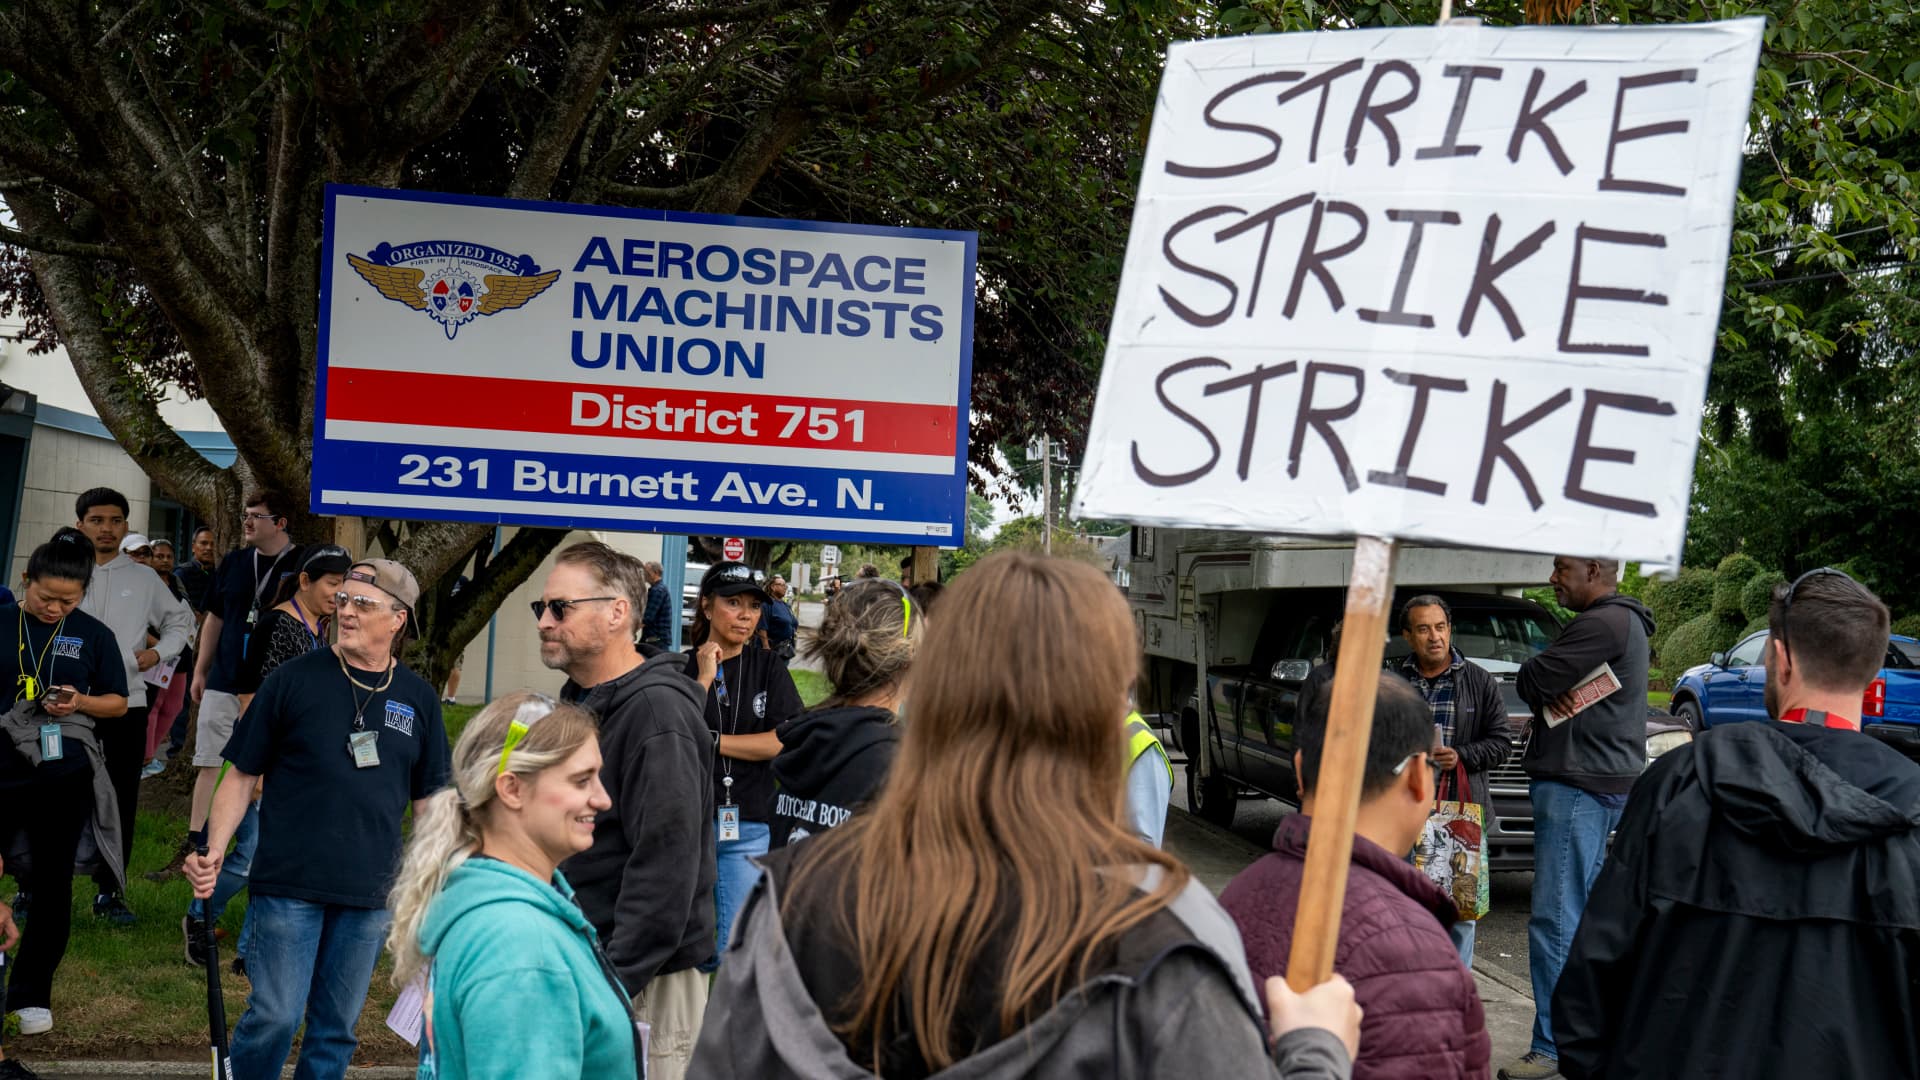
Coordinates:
453	281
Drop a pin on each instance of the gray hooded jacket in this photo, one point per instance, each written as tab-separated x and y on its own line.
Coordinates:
1192	1011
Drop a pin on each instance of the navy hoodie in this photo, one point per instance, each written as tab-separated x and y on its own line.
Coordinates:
831	761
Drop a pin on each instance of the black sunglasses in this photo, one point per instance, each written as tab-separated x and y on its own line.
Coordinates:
1786	602
561	607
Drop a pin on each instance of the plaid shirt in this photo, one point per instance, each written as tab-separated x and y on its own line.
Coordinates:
1438	691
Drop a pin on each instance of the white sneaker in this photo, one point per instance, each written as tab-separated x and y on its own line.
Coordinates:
35	1021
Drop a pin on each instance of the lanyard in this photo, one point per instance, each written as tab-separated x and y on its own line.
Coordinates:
260	584
29	679
312	628
729	725
360	707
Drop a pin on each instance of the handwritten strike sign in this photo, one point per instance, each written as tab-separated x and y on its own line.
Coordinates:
1456	284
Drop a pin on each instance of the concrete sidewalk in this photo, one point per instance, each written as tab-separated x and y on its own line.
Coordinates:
1216	855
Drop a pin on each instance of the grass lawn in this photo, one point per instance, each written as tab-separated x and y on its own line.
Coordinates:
812	685
1658	698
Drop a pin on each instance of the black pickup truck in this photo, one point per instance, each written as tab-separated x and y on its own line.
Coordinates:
1246	728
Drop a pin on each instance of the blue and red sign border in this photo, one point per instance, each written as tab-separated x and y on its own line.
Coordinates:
323	448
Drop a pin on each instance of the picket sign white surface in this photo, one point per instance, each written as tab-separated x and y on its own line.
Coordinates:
1574	263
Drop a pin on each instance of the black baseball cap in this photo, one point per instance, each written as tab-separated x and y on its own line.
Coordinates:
731	579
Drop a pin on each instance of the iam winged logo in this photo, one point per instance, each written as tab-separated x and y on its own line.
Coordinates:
453	281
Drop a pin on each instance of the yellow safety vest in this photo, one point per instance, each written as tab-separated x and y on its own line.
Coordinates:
1140	739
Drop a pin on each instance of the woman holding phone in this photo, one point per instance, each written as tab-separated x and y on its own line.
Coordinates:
66	672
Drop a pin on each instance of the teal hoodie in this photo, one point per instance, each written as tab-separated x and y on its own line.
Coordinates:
517	991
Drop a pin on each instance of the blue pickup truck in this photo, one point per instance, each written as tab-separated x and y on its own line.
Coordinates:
1732	687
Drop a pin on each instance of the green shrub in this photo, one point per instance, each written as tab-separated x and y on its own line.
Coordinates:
1908	626
1754	627
1757	595
1674	602
1729	583
1697	639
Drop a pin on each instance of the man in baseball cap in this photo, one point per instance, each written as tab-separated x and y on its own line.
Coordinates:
348	736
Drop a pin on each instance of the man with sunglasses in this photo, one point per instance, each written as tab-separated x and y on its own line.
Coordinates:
1581	767
1756	916
346	739
646	884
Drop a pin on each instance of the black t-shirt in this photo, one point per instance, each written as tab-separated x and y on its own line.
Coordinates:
329	830
242	586
277	638
760	696
79	651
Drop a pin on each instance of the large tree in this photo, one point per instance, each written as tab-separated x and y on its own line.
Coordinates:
163	165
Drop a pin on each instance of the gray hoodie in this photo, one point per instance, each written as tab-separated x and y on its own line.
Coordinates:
131	599
1191	1011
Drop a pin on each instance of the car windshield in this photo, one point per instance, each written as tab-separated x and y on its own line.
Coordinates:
1510	636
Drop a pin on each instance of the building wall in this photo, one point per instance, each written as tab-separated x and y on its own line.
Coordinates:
516	638
61	465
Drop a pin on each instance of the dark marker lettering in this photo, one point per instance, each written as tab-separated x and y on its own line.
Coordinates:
1535	121
1487	271
1364	111
1314	261
1254	381
1187	314
1214	172
1398	315
1450	142
1321	82
1264	217
1423	388
1160	391
1577	290
1494	447
1322	420
1645	131
1584	450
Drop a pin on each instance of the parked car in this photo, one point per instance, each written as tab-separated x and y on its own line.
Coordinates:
1731	687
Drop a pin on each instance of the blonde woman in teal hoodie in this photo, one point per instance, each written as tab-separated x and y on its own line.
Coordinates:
517	984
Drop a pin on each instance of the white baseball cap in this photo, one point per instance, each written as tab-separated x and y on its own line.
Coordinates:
134	542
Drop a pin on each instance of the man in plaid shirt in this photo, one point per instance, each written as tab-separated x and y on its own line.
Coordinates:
1469	717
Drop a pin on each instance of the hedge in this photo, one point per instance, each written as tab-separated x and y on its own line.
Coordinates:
1757	596
1674	602
1729	583
1697	639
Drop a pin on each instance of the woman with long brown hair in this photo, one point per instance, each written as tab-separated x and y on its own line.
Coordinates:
990	914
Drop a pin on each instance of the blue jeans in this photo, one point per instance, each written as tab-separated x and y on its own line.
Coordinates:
1462	935
735	878
313	962
233	874
1570	830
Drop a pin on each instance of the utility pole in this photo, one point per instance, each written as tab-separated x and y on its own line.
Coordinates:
1046	488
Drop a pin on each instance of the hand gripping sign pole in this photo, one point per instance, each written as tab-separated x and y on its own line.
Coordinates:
1343	763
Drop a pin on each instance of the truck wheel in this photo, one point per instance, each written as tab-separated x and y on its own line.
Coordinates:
1689	712
1212	798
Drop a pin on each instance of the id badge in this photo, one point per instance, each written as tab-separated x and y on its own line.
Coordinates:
53	746
362	745
729	823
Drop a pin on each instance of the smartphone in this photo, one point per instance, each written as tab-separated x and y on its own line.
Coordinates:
59	695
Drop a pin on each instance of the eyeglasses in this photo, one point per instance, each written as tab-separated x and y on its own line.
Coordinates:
324	551
259	517
524	718
561	607
1408	760
366	605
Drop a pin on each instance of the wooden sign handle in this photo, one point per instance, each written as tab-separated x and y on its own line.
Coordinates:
1343	763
